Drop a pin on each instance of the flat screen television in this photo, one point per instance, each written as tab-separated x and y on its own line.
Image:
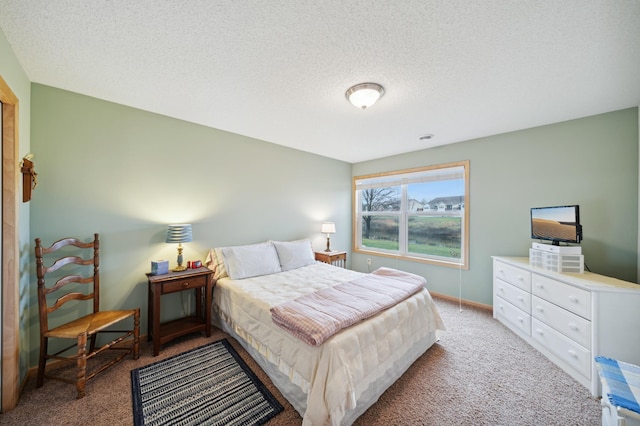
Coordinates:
556	224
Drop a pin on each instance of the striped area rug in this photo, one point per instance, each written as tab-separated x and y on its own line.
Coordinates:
210	385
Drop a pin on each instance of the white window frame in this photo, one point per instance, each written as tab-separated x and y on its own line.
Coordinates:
403	178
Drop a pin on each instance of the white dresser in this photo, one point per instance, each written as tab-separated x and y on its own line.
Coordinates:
569	317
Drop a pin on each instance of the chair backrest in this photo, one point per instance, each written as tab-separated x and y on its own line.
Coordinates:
91	249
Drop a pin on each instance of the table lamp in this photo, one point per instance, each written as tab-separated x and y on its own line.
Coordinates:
179	233
328	228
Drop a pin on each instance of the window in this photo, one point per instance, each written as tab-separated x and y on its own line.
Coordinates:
418	214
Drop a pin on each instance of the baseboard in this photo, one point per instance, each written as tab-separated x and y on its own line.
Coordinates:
463	301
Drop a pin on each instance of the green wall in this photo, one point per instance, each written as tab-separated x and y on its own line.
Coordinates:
131	172
127	173
15	77
591	161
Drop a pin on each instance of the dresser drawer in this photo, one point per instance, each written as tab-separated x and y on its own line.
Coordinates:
578	357
512	294
515	276
184	283
518	319
571	325
564	295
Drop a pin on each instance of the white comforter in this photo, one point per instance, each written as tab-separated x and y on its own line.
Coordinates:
334	374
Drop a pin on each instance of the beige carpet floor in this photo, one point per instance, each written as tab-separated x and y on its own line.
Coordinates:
479	373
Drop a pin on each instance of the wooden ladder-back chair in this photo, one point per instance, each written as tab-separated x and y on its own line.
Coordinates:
86	327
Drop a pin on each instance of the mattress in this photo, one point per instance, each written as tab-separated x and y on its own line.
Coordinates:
336	381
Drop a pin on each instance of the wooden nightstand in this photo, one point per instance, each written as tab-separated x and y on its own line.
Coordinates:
199	279
335	258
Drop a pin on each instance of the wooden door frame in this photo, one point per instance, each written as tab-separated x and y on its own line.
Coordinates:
10	251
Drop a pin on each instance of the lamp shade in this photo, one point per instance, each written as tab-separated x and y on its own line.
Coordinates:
179	233
328	228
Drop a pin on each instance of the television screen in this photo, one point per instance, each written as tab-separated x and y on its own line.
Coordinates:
556	224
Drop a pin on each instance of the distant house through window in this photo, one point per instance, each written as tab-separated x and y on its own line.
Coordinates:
417	214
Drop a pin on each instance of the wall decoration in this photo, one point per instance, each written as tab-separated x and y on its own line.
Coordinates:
29	177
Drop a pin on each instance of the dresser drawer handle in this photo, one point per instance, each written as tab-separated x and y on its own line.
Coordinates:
540	286
539	308
520	278
185	284
573	326
573	299
573	354
501	289
520	298
539	331
520	319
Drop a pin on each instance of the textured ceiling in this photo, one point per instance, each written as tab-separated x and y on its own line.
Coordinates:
278	70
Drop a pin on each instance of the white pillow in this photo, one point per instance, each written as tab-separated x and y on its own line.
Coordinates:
215	262
251	260
294	254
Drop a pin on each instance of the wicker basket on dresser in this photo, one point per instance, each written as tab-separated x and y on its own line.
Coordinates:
569	317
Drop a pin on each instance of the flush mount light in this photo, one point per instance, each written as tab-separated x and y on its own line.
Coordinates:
364	95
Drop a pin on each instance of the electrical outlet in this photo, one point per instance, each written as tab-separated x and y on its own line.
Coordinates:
368	261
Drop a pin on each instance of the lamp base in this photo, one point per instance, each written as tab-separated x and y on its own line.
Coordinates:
180	267
327	249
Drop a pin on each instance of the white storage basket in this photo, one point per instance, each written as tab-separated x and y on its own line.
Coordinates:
556	262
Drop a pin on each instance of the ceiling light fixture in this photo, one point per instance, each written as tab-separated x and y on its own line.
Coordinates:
364	95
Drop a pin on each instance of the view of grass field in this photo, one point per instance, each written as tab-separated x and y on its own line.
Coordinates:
381	244
428	235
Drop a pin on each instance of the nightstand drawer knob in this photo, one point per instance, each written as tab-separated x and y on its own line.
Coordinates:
185	284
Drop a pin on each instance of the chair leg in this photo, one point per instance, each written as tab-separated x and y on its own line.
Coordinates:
82	364
92	345
42	362
136	334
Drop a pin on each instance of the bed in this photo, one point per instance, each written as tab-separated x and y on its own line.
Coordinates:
337	380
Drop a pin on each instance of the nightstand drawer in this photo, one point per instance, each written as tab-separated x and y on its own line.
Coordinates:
184	284
335	258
